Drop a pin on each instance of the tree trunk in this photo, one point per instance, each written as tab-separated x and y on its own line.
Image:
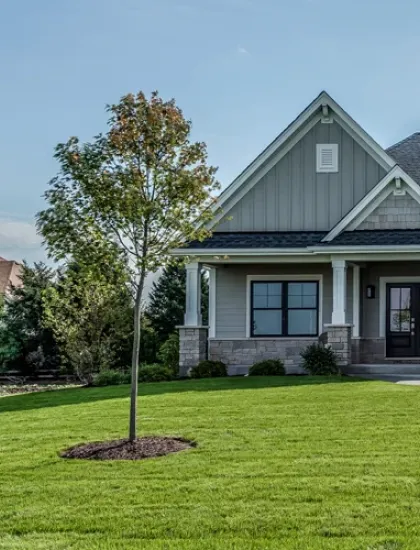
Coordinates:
135	359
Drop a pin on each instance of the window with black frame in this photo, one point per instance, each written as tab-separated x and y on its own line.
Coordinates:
284	308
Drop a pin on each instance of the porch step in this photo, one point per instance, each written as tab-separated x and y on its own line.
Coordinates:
385	369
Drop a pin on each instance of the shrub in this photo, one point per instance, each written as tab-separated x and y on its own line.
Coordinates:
169	353
319	360
269	367
209	369
155	373
111	378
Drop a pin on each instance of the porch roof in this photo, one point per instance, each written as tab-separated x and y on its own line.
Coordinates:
307	239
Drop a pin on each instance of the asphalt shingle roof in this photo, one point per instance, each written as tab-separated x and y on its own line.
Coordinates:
269	239
384	237
304	239
407	154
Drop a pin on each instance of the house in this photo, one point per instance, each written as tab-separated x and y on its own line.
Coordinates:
10	272
318	238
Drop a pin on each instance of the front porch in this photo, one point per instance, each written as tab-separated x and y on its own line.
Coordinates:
276	309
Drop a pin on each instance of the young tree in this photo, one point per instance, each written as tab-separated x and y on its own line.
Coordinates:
167	301
136	192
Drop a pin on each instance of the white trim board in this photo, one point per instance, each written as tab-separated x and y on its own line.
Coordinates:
302	277
287	139
372	200
212	302
383	281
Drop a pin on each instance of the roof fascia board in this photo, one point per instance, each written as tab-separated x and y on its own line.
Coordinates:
388	161
245	186
370	201
379	199
274	145
237	251
357	210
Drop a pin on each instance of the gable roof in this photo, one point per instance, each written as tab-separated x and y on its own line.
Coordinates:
407	154
370	201
285	141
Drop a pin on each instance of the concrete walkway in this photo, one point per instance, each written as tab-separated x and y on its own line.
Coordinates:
404	379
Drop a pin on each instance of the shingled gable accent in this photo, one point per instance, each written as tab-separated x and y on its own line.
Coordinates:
286	140
372	200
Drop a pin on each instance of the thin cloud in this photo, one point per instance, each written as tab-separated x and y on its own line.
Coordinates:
19	240
242	51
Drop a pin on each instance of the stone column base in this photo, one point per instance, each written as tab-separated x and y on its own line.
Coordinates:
339	340
192	347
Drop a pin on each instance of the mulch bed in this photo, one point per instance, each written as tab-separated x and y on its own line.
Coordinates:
13	389
124	449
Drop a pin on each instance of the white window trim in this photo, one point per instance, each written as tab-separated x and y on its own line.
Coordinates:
334	152
315	277
383	281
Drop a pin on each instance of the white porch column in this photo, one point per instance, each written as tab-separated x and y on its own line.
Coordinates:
193	295
339	292
356	301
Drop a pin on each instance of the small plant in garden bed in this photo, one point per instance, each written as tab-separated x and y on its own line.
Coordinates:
155	373
318	360
268	367
209	369
111	378
147	373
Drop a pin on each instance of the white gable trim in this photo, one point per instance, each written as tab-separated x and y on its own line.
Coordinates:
372	200
278	148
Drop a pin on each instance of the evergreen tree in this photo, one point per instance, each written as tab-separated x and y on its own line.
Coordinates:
25	343
167	301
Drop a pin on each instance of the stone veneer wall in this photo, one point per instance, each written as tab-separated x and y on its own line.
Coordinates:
192	347
371	350
395	212
246	352
339	340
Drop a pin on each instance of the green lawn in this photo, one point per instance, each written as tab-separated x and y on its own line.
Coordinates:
281	463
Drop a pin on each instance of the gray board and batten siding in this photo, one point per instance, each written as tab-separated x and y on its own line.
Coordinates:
292	196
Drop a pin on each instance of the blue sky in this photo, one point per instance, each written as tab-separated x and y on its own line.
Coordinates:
240	69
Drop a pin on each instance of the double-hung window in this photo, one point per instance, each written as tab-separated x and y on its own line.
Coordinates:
284	308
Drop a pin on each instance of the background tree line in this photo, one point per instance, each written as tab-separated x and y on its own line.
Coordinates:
70	322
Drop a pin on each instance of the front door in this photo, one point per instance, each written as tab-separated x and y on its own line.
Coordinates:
403	320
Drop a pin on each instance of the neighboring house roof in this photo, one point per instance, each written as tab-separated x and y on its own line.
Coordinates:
10	272
407	154
271	239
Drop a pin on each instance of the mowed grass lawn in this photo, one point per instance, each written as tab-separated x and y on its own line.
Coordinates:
281	463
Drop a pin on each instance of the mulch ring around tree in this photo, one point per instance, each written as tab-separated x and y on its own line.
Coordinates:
124	449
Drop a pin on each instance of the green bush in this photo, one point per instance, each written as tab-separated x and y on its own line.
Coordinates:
111	378
155	373
269	367
169	353
318	360
209	369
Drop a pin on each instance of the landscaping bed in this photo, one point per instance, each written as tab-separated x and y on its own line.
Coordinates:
123	449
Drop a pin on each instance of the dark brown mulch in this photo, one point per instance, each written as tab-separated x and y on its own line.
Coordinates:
123	449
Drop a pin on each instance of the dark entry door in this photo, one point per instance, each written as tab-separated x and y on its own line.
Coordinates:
403	320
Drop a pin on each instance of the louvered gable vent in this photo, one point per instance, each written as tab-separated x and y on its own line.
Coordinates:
327	157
